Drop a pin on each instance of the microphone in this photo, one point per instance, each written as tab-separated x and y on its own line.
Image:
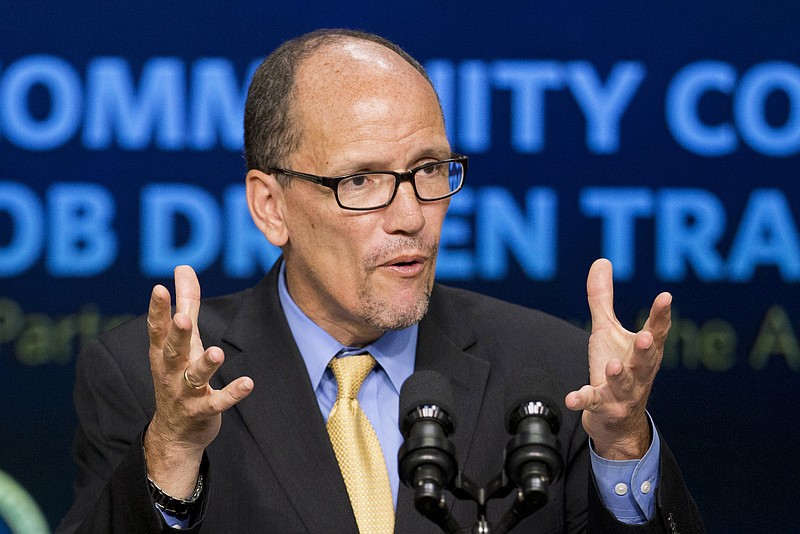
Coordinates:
533	460
426	460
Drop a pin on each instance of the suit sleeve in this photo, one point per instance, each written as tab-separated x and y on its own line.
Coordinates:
676	511
111	490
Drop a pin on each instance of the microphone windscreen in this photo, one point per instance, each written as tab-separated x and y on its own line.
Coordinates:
426	388
524	387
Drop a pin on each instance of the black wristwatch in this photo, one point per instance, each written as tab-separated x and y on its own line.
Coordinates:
178	507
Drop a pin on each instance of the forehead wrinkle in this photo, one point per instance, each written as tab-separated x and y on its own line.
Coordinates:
358	154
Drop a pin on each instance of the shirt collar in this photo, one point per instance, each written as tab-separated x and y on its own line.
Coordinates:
394	351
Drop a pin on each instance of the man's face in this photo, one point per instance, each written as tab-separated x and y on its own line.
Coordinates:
360	107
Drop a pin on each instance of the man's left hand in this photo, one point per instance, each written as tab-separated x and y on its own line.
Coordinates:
622	367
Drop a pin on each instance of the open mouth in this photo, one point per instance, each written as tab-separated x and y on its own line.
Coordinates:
406	266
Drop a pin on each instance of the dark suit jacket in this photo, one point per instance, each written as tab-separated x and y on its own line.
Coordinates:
272	468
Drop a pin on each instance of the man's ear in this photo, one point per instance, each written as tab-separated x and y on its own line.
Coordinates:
265	200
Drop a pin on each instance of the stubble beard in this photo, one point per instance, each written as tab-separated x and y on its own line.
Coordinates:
383	313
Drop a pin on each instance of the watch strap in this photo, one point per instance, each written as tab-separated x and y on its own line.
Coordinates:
173	505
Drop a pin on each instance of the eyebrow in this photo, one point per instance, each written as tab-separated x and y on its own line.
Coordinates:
377	165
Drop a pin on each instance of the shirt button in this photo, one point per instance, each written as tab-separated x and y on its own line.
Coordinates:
621	489
646	487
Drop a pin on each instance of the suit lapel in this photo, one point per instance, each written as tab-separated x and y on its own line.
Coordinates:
283	416
282	411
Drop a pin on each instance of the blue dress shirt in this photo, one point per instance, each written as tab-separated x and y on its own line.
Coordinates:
379	395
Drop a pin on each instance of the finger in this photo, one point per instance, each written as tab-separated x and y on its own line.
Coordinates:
221	400
620	379
187	292
660	318
177	343
199	372
158	315
586	398
646	356
643	340
600	294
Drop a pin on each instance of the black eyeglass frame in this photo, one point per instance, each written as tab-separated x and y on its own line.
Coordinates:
399	177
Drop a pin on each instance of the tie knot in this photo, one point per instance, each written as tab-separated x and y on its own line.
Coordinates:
350	372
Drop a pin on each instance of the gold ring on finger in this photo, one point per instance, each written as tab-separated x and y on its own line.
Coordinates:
189	382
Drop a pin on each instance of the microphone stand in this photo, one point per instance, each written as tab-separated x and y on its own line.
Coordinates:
427	458
432	504
532	462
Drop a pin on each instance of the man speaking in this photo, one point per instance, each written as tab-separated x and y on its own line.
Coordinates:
350	174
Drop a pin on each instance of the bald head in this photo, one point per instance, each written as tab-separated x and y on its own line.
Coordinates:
272	128
357	85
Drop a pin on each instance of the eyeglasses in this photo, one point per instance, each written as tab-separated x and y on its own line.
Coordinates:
364	191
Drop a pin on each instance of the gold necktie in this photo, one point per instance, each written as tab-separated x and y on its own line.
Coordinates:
358	450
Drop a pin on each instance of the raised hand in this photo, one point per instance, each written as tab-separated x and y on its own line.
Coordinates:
622	367
188	410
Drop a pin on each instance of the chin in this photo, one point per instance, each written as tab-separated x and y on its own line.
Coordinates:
394	312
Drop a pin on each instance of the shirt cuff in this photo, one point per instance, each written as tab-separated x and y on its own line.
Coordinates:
628	487
173	521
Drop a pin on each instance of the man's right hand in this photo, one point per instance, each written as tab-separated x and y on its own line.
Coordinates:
188	410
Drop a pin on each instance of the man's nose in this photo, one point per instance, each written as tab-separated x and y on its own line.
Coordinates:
404	214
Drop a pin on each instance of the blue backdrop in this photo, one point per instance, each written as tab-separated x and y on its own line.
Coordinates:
663	135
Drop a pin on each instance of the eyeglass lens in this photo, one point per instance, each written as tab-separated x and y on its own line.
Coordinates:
432	182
